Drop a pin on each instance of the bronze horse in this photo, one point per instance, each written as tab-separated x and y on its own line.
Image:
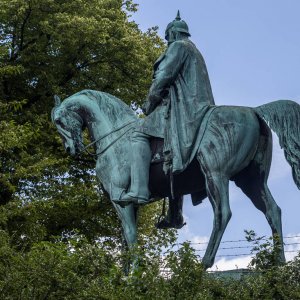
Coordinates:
236	145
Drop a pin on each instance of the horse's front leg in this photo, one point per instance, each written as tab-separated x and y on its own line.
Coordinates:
116	184
217	190
128	217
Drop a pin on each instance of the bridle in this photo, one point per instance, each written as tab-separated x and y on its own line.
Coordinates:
85	147
97	154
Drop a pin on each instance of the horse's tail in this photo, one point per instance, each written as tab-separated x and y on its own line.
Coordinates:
283	117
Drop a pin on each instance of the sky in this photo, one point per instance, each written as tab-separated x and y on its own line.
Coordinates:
252	53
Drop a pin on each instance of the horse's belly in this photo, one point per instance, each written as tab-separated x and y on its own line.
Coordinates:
189	181
230	141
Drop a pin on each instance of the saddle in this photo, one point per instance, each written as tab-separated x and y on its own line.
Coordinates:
157	147
157	158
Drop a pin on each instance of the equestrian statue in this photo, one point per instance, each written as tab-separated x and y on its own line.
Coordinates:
185	144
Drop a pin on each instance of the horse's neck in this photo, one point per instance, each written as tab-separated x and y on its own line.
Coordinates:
101	119
90	113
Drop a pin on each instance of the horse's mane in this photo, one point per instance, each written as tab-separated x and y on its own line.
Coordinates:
104	100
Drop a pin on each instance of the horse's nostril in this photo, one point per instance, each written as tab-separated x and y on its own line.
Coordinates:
68	149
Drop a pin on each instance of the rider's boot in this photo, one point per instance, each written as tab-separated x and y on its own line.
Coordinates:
169	222
174	217
141	158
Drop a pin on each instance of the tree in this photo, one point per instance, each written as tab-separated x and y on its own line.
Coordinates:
60	47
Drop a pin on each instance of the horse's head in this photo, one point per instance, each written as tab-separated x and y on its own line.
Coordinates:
69	125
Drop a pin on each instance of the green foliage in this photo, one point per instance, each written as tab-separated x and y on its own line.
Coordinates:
81	270
60	47
53	270
48	199
59	236
266	250
64	46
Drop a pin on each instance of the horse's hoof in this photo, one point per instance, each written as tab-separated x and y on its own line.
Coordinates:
207	263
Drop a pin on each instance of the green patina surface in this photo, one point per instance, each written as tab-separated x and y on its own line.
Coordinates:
236	143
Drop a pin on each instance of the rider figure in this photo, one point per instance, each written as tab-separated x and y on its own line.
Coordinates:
178	99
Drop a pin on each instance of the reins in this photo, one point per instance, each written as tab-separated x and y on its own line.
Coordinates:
95	155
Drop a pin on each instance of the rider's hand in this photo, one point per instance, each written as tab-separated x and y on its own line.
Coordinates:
146	107
150	104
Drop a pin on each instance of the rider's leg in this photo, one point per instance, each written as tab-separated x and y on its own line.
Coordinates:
141	158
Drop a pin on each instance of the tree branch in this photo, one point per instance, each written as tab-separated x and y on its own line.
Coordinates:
71	72
28	13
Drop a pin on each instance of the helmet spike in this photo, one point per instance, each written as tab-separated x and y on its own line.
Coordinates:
178	16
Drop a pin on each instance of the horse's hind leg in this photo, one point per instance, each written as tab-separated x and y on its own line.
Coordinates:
257	190
253	182
217	190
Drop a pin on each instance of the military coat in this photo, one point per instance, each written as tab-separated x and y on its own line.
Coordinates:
179	97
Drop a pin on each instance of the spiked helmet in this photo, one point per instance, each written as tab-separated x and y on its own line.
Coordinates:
178	25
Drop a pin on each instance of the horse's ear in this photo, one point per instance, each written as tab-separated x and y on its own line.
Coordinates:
57	101
57	104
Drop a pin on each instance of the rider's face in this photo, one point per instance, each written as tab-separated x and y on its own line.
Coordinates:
169	36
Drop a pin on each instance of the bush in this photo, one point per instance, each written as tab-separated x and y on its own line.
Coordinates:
81	270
